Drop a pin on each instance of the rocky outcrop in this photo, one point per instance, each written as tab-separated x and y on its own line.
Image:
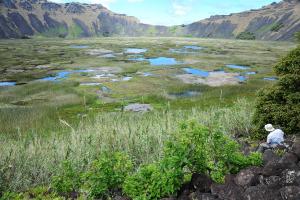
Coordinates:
277	179
21	18
277	21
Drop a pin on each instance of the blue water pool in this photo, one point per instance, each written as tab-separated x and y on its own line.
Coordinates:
237	67
63	75
3	84
193	47
241	78
251	73
162	61
135	50
197	72
271	78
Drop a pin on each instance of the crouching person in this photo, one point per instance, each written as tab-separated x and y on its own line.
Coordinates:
274	138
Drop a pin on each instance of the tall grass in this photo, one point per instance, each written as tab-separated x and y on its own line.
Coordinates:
26	162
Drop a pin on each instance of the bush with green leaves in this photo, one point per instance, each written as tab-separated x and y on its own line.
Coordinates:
67	181
279	104
105	174
193	149
297	36
246	35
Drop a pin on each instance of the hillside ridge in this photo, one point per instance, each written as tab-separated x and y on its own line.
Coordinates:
20	18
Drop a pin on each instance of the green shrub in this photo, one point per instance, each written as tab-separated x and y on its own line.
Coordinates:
246	36
280	104
277	27
66	182
106	173
194	149
153	182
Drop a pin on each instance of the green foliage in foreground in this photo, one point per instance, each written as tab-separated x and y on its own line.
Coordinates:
194	148
246	36
280	103
106	173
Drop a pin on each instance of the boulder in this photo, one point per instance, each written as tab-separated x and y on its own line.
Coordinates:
229	190
290	192
269	156
201	182
296	147
138	107
272	181
261	192
290	177
202	196
273	168
289	159
247	177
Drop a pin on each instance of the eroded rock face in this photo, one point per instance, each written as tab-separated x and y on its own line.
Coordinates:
26	5
36	23
74	8
49	6
9	4
21	23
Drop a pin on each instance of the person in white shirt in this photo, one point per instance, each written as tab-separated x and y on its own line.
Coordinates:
274	138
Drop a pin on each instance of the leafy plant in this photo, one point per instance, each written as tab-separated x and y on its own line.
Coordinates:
194	148
246	36
280	103
106	173
276	27
68	181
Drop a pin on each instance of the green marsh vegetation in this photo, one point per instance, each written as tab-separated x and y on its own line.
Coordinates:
53	132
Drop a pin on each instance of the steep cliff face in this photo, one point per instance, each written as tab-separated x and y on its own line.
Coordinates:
20	18
277	21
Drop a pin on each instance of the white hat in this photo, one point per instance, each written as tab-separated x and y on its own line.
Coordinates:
269	128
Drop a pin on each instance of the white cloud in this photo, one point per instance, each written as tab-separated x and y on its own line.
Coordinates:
181	8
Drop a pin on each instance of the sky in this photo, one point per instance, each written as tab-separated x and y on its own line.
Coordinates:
175	12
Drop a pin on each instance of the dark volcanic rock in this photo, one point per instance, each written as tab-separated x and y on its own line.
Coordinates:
273	169
201	196
201	182
36	23
289	159
290	193
75	8
49	6
261	192
296	147
248	177
229	190
21	23
272	181
290	177
270	156
26	5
